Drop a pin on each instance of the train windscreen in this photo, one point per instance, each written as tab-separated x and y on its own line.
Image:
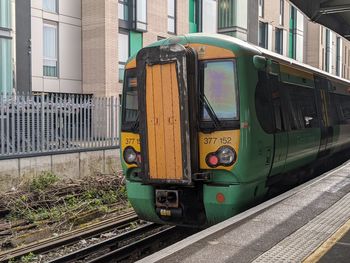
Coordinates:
219	87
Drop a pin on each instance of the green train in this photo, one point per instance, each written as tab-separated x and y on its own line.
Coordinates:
211	123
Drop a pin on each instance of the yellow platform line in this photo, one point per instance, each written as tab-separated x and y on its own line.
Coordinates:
326	246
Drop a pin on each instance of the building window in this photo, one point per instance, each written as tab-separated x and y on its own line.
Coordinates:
279	41
172	16
296	35
209	16
123	52
226	14
338	57
141	15
5	13
281	20
123	10
5	66
50	39
263	34
50	6
261	8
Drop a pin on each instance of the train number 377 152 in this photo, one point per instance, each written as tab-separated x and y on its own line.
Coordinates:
215	140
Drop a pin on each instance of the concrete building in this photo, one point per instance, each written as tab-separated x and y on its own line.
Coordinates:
282	29
7	39
49	46
328	50
114	30
65	46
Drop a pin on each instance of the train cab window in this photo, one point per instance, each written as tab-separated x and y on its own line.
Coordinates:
130	99
220	88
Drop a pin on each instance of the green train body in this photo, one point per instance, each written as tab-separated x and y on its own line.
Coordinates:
289	118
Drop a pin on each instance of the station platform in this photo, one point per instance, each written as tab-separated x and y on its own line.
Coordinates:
309	223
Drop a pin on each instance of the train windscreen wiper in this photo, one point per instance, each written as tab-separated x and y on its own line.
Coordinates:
204	100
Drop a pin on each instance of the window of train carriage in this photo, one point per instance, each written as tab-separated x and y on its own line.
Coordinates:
302	107
343	102
332	110
219	85
130	100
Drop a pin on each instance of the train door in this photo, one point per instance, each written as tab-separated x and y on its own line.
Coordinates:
164	125
323	86
280	131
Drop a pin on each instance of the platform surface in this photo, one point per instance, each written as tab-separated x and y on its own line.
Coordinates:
309	223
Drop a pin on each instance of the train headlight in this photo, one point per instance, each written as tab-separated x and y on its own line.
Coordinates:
130	155
226	155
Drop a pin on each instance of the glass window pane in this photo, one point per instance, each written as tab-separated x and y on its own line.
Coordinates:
171	25
5	13
220	88
50	47
171	8
227	11
50	6
123	52
263	35
141	11
261	8
123	10
5	65
123	44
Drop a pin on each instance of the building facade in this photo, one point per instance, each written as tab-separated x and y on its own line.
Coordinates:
114	30
49	46
65	46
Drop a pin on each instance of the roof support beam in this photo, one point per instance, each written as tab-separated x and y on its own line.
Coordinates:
325	10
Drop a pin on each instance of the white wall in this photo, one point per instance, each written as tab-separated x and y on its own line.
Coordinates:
69	78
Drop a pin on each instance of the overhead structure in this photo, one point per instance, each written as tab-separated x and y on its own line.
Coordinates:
334	14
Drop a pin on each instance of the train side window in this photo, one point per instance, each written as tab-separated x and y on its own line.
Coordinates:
344	108
334	118
302	104
263	105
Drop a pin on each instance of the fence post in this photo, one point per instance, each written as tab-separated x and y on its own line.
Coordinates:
2	115
42	122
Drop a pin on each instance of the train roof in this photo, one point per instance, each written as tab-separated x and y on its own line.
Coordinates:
227	41
265	52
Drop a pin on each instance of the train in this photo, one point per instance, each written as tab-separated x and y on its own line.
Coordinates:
210	123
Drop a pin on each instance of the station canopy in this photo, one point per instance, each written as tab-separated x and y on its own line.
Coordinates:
334	14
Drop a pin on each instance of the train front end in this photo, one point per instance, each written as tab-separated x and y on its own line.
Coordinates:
181	135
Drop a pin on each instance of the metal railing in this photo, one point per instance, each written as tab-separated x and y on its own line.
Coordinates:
33	125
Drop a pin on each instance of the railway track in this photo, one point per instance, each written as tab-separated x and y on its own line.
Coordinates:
129	246
90	231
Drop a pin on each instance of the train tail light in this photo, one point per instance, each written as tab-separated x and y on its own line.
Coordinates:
225	156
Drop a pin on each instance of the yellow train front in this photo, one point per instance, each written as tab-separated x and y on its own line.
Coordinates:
180	138
209	123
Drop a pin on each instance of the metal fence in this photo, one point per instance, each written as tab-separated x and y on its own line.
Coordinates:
34	125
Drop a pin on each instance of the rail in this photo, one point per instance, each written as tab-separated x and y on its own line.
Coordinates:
69	237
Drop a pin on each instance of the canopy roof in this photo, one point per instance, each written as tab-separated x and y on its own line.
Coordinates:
334	14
